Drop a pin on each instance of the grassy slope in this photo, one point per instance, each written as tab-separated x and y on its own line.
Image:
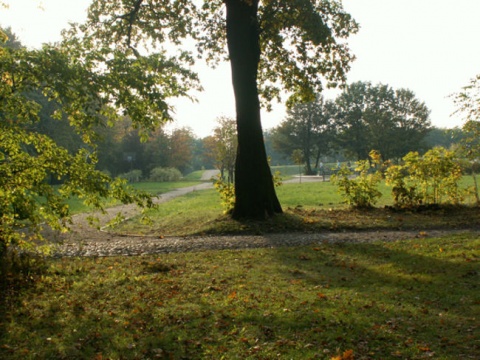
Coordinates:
403	300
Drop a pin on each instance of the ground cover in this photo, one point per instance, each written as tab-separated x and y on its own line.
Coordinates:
412	299
308	206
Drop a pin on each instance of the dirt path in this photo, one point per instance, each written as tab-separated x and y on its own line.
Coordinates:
85	240
81	230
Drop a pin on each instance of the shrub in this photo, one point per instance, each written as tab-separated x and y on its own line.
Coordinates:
227	193
429	179
227	190
362	191
165	174
132	176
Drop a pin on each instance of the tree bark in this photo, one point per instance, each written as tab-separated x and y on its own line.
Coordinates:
254	188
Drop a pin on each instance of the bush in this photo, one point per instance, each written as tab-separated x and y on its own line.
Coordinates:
430	179
227	190
362	191
132	176
227	193
165	174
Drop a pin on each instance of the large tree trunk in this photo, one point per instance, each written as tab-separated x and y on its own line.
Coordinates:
254	189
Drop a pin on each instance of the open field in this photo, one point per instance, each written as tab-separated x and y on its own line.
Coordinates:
308	206
155	188
413	299
373	299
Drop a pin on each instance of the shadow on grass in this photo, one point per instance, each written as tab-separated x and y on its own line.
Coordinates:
380	300
381	292
300	219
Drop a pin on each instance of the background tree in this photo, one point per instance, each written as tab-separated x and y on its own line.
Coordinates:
298	158
272	45
225	147
181	149
307	127
467	102
377	117
29	158
443	137
276	158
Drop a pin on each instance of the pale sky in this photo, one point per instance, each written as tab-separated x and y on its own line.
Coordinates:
427	46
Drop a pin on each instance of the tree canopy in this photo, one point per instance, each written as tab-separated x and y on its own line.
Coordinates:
127	61
28	158
308	127
378	117
139	50
467	102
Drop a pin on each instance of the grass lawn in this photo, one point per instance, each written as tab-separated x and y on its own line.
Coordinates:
412	299
308	206
76	205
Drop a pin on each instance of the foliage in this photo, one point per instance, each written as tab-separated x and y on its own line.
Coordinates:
378	117
378	300
223	147
180	150
307	127
429	179
29	159
298	156
132	176
468	100
226	190
361	191
310	207
298	46
165	174
446	138
468	106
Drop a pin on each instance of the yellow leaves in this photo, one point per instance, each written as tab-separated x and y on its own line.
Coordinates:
7	79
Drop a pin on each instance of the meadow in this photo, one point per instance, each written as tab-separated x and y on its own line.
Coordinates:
308	206
410	299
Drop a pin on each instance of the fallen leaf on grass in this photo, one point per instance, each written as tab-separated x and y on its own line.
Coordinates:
347	355
322	296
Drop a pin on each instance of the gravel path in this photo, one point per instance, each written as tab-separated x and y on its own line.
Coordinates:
85	240
114	245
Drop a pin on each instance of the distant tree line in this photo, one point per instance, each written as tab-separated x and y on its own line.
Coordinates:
363	117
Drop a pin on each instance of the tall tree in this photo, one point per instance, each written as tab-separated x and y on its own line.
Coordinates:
272	45
377	117
307	127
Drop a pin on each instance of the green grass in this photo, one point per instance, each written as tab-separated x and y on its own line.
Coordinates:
194	176
314	206
286	170
412	299
76	205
